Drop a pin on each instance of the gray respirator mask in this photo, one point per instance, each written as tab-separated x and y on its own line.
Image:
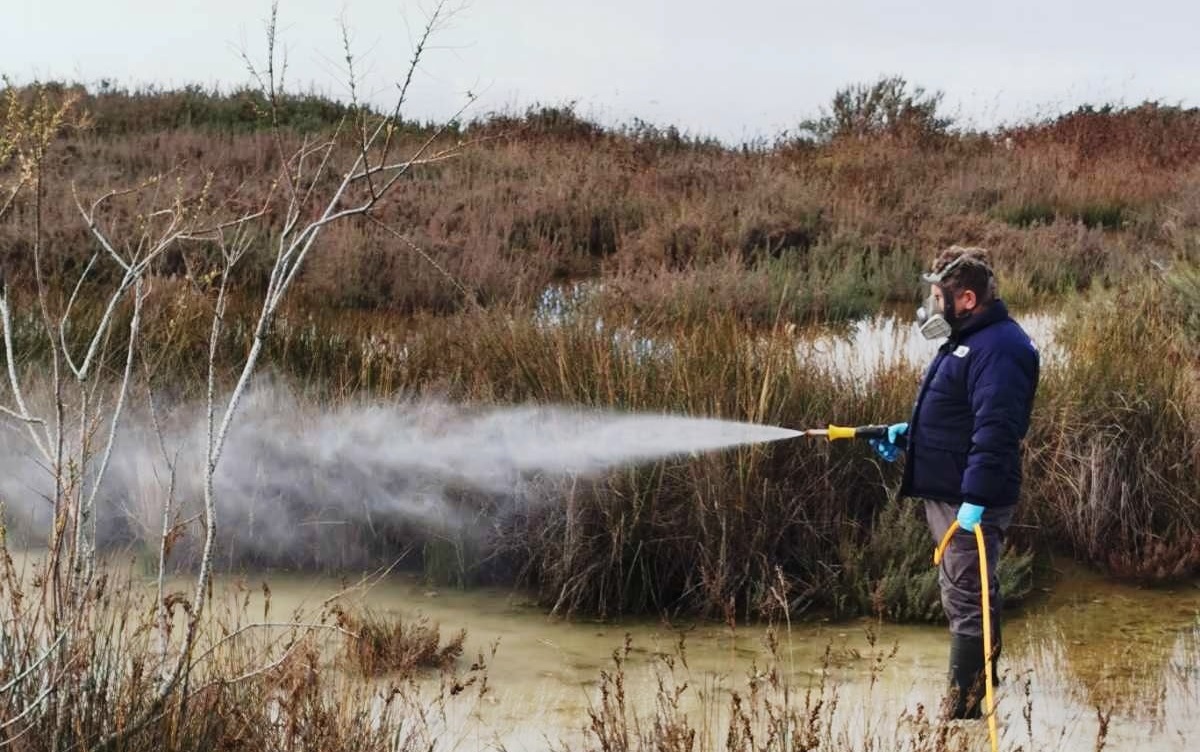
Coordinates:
931	320
934	318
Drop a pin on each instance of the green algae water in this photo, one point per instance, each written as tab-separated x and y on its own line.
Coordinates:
1084	647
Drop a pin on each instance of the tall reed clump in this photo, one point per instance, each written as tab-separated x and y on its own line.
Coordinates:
733	529
688	534
693	534
1115	458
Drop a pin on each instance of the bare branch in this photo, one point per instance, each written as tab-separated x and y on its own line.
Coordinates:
209	233
35	665
89	216
15	382
37	701
134	325
81	372
322	167
163	620
13	192
441	156
364	143
66	316
426	146
429	259
266	625
436	18
17	416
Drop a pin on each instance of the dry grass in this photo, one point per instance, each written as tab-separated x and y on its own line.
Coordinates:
380	645
1115	455
251	687
674	223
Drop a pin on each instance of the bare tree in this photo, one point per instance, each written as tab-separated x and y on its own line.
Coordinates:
75	433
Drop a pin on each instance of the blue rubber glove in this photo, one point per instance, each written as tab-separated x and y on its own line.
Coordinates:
969	515
888	449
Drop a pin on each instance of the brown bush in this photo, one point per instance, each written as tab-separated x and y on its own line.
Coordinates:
550	197
384	645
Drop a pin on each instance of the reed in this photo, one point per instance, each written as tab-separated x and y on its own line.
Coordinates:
1115	456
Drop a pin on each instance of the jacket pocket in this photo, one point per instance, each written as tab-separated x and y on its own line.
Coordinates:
954	442
938	472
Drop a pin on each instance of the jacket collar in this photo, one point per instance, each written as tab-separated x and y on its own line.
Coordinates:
995	312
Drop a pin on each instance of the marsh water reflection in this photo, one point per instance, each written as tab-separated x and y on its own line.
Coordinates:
860	348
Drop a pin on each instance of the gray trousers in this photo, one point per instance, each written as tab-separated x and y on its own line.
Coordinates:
959	575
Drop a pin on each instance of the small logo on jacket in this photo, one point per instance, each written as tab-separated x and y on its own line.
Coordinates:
961	351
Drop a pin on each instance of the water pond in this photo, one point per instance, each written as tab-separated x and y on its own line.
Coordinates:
1084	645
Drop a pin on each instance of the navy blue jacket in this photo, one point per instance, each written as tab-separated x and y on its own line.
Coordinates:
971	414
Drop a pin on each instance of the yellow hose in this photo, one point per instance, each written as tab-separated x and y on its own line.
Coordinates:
984	589
941	549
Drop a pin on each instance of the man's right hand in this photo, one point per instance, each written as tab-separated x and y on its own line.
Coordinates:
888	449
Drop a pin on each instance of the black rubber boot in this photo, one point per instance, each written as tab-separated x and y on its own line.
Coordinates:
966	677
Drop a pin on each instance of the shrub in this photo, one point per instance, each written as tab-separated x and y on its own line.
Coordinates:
396	646
889	107
888	571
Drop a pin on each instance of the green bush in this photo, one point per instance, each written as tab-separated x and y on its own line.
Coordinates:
1107	216
888	107
1027	214
890	574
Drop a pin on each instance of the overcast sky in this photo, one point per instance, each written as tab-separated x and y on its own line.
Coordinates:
733	69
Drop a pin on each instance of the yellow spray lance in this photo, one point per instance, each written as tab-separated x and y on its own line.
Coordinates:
834	433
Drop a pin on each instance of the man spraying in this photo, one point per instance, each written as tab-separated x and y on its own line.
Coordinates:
963	446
